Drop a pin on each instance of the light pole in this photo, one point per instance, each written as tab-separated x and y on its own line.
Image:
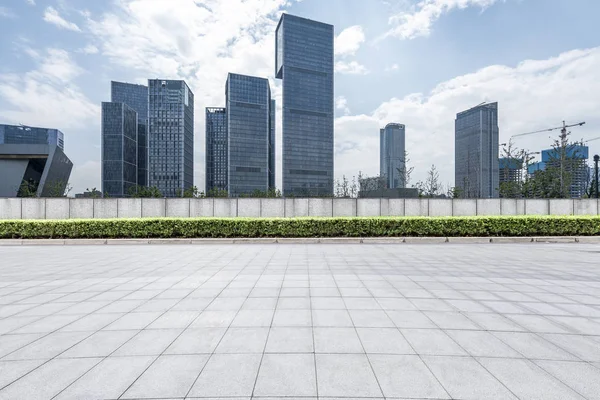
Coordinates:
596	159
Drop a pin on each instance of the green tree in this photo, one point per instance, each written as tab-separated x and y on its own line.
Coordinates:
28	188
217	193
432	186
144	192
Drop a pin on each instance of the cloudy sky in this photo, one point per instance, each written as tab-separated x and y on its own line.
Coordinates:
416	62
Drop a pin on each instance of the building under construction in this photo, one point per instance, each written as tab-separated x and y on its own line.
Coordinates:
575	164
511	170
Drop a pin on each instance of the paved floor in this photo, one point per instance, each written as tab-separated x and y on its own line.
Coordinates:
328	321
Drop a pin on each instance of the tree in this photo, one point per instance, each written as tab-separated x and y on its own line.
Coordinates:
342	188
144	192
28	188
92	194
57	189
217	193
431	187
405	171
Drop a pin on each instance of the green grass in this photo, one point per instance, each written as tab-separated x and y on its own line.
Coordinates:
301	227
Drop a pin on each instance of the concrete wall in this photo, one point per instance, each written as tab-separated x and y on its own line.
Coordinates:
62	208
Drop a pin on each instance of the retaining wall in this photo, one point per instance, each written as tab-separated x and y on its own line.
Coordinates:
64	208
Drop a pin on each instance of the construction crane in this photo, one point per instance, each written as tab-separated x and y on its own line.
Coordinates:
563	129
591	140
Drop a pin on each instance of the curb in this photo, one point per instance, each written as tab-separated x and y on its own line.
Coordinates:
382	240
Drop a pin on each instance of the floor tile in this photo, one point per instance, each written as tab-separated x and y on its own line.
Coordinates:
243	340
197	341
337	340
292	318
432	342
483	344
581	377
533	346
100	344
384	341
286	375
346	375
227	375
290	340
149	343
331	318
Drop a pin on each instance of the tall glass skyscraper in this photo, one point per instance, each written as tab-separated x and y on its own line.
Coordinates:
170	136
272	153
476	152
119	149
249	133
136	97
304	60
216	149
20	134
391	155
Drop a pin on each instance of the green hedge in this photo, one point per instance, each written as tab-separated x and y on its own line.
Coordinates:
300	227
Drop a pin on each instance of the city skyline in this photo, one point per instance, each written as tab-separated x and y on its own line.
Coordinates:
57	77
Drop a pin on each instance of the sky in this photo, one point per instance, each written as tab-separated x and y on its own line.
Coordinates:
414	62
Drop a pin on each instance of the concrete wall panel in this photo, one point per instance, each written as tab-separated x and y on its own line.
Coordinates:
153	208
561	207
536	207
81	208
249	208
33	208
225	208
368	207
344	207
301	208
272	208
10	208
129	208
509	207
440	207
202	208
106	208
464	207
320	207
395	208
586	207
489	207
57	208
416	207
178	208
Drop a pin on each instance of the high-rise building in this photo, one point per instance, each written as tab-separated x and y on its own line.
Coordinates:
216	149
32	160
476	152
392	155
170	136
272	153
511	170
248	133
136	97
575	164
119	149
304	60
20	134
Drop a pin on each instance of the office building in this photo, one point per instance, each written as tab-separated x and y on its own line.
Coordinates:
32	162
248	105
216	149
20	134
170	136
392	155
304	60
272	143
575	166
476	152
136	97
511	170
119	149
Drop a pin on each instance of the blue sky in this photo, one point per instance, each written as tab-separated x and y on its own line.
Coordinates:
412	62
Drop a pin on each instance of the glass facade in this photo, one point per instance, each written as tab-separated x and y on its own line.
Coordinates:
391	155
476	152
272	143
304	60
248	133
119	149
170	136
20	134
216	149
136	97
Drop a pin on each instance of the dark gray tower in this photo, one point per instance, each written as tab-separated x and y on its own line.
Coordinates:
216	149
391	155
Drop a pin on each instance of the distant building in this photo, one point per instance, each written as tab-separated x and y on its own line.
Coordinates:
511	170
119	149
248	134
216	149
392	155
272	145
476	151
136	97
20	134
576	167
170	136
32	160
304	60
94	194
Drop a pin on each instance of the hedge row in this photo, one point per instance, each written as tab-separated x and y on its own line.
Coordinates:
300	227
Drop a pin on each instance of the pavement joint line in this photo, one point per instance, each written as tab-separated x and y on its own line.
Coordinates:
339	240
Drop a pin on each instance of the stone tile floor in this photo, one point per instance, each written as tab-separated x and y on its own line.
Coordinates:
300	321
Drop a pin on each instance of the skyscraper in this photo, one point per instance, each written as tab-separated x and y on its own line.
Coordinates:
20	134
136	97
119	149
272	153
170	136
476	151
391	155
248	133
216	149
304	60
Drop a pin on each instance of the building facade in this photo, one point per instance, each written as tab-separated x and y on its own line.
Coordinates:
476	152
272	144
119	149
20	134
136	97
575	166
392	147
170	136
248	108
216	149
304	60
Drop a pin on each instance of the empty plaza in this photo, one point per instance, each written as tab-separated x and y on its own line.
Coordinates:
331	321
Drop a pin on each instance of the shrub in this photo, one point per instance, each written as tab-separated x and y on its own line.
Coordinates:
301	227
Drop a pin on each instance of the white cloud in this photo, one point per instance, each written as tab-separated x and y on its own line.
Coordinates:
46	95
535	94
352	68
420	19
341	103
349	41
52	16
393	67
89	49
6	12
